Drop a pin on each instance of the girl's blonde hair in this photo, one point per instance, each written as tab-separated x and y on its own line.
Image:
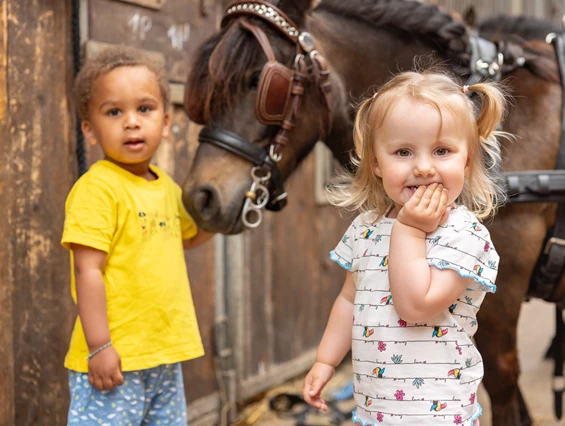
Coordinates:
482	192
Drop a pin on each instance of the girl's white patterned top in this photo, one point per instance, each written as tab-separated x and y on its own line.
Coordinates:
417	373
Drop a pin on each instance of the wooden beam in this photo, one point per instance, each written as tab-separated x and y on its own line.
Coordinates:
40	155
7	402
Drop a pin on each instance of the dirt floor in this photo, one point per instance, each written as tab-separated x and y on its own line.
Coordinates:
536	328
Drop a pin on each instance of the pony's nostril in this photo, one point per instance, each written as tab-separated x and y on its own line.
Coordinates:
205	203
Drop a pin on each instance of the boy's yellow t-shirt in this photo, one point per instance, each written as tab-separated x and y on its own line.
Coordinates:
140	224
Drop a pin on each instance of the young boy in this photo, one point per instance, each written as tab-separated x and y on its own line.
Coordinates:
125	228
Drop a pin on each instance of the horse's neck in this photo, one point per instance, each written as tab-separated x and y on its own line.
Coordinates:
361	58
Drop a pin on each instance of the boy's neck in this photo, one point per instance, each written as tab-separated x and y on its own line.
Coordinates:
139	169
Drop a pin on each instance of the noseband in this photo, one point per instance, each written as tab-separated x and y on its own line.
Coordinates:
279	93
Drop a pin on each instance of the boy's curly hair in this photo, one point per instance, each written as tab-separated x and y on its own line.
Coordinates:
107	60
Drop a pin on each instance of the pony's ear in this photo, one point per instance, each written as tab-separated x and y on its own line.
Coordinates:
296	9
470	17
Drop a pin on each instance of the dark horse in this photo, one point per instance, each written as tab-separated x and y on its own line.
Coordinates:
364	42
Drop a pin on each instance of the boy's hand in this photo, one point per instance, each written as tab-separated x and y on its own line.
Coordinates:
316	379
105	370
426	209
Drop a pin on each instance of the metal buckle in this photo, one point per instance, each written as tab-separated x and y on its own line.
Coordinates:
550	37
306	41
255	199
553	241
274	156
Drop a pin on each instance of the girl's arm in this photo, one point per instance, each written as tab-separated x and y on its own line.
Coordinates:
104	369
419	291
200	238
335	343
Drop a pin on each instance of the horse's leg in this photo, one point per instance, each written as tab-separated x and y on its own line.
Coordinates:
497	345
517	233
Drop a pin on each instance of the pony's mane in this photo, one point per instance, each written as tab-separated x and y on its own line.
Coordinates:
212	87
421	21
502	27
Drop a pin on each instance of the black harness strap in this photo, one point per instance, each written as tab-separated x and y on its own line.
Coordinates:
259	157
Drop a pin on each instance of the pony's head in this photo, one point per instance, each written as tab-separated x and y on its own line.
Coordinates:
262	91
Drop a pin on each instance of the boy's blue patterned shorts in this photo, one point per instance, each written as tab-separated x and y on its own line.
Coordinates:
147	397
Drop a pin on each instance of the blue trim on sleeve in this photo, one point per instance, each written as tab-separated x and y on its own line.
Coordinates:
339	260
356	419
487	286
478	413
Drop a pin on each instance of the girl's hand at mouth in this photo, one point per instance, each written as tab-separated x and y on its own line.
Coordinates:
426	209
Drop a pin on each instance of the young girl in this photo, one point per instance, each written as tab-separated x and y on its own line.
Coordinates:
419	260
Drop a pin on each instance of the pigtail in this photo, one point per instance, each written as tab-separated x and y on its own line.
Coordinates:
486	182
493	106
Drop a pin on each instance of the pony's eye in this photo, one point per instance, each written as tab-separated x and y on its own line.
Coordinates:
254	80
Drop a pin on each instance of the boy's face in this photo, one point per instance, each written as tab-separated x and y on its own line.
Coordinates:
127	117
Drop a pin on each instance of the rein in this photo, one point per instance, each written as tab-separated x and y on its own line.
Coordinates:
279	96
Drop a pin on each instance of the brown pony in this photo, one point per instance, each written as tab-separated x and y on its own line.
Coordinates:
364	43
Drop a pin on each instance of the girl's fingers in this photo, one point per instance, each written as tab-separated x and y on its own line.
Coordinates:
443	200
427	195
436	199
417	197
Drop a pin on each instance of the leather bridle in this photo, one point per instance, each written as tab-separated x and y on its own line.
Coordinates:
278	101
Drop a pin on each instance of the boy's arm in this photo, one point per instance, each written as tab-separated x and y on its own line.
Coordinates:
419	291
91	295
104	369
335	343
200	238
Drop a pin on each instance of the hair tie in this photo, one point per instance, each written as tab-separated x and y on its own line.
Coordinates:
375	95
465	89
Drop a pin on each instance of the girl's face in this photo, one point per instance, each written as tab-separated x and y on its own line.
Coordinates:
416	146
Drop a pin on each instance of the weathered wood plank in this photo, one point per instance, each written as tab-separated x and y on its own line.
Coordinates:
302	292
176	30
7	402
152	4
41	173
